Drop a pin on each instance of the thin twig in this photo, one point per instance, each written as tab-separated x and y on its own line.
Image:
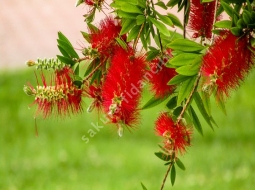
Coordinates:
214	20
167	172
93	72
189	98
159	37
185	19
138	36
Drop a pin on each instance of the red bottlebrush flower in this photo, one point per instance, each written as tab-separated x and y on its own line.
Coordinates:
97	3
226	63
89	2
160	75
61	98
122	87
176	136
95	92
103	39
201	18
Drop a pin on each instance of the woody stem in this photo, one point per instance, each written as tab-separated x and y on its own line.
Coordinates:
189	98
138	36
94	70
167	172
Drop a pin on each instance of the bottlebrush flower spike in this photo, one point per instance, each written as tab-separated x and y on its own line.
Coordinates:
122	87
226	64
96	3
160	75
176	136
61	97
201	18
103	39
94	91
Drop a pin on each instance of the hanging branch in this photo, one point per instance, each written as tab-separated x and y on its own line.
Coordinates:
189	98
167	172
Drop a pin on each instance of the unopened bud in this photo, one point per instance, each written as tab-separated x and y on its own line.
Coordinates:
28	90
30	63
120	130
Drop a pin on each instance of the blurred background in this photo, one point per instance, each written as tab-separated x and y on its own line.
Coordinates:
61	157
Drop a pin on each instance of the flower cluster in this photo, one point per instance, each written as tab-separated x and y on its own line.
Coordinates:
201	18
60	97
103	39
161	75
226	63
122	87
176	135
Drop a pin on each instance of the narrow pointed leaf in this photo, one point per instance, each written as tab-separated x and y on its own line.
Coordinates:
128	24
185	89
180	164
185	45
173	174
202	109
196	121
153	102
163	156
178	79
161	27
144	188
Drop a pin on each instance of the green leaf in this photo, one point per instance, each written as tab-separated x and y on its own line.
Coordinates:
78	2
206	101
220	103
140	19
207	1
192	69
67	48
153	102
180	164
129	8
121	43
228	9
236	31
252	40
163	156
63	52
123	14
144	188
185	45
202	109
128	24
161	27
178	79
66	60
152	55
133	33
86	36
173	175
165	19
185	89
161	4
247	17
240	24
92	27
172	3
62	37
142	3
172	103
182	59
175	20
196	121
223	24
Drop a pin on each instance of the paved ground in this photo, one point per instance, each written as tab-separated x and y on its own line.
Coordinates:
28	29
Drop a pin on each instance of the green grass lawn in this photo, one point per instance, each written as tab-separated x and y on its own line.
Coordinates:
60	158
